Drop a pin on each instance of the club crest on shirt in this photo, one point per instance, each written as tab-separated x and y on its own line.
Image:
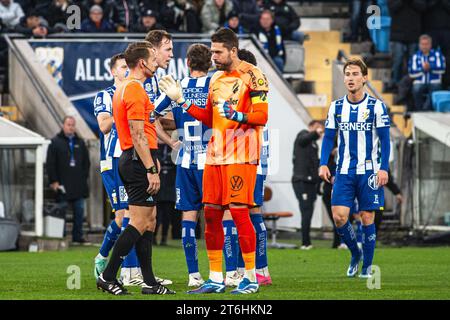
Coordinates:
236	87
365	114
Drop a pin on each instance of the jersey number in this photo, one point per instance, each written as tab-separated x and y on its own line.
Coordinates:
196	129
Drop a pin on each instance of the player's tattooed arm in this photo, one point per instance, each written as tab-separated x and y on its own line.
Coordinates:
105	121
140	142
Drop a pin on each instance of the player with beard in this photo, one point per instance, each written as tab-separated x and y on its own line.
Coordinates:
236	110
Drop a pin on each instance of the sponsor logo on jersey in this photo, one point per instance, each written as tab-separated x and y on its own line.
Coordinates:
123	196
355	126
385	119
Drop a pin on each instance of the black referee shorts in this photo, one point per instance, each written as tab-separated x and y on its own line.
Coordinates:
134	176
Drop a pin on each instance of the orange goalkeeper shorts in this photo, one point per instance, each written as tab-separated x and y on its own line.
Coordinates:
231	183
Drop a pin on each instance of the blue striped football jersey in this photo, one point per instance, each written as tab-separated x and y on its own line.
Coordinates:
358	142
109	143
263	166
192	133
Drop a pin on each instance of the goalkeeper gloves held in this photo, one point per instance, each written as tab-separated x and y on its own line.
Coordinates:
173	90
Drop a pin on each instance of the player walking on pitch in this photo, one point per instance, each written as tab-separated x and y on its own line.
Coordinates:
362	124
236	109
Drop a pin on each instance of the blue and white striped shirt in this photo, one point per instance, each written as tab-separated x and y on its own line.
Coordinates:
109	143
434	74
358	140
192	132
155	95
263	166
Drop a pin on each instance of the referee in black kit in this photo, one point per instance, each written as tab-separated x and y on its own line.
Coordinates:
138	168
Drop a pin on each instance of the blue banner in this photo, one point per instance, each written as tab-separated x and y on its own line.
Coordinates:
81	67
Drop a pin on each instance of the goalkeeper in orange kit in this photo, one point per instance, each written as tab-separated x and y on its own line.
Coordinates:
236	110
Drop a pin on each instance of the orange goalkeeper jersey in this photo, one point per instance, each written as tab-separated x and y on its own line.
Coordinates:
232	142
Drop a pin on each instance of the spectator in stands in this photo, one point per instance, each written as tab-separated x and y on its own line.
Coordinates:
124	14
287	19
436	23
358	24
154	5
57	15
269	34
180	16
233	23
406	27
148	22
214	14
10	13
27	4
32	25
106	5
68	171
305	179
249	12
426	67
96	21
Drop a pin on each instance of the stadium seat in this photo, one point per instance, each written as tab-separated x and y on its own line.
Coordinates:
443	106
438	96
295	60
274	217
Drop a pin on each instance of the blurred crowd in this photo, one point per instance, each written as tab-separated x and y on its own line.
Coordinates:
272	22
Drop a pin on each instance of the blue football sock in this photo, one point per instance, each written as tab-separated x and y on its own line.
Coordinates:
261	240
190	245
131	260
368	245
240	262
230	245
111	235
349	237
358	231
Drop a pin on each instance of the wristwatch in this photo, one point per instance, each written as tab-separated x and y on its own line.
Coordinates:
152	170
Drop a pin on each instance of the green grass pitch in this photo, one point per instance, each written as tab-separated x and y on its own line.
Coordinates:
406	273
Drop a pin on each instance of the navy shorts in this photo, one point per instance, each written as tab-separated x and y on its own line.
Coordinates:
188	186
258	195
363	187
114	187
